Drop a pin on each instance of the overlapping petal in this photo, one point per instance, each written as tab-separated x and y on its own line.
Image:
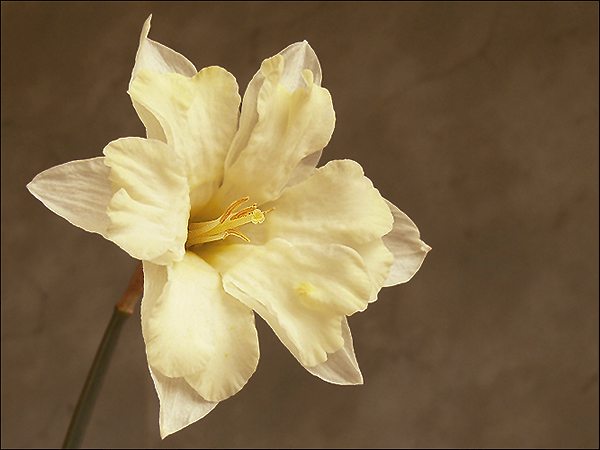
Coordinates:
78	191
407	247
302	291
341	366
150	208
197	331
297	58
180	404
290	127
198	116
378	259
155	56
195	113
337	204
152	55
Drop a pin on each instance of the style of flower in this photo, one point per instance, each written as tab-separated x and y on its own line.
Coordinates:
230	216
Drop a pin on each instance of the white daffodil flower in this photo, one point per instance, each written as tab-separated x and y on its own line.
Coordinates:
230	216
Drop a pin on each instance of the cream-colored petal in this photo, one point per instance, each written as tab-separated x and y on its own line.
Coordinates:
155	279
297	57
304	169
154	130
152	55
224	254
149	211
303	292
405	244
341	367
155	56
199	117
290	127
197	331
180	404
338	204
78	191
378	260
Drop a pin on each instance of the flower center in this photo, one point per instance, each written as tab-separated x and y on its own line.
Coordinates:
226	225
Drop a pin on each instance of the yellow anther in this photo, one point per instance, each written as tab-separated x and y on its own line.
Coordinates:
257	216
226	224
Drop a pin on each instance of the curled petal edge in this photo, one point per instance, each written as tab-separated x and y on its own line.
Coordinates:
158	57
155	56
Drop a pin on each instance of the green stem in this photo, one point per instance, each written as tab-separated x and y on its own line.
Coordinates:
93	383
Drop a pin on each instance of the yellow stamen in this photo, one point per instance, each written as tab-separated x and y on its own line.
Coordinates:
236	233
226	224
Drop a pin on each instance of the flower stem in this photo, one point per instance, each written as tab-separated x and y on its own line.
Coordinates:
93	383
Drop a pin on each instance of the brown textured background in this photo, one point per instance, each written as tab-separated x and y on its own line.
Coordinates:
480	121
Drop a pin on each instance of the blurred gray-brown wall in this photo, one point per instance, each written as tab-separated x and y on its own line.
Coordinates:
479	120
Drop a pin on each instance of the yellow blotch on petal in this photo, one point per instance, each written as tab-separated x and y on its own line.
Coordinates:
308	295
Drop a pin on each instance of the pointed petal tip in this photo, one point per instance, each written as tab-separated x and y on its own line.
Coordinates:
180	404
355	380
146	28
34	190
30	185
426	248
158	57
304	43
173	421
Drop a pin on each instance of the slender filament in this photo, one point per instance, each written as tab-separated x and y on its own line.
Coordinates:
225	225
